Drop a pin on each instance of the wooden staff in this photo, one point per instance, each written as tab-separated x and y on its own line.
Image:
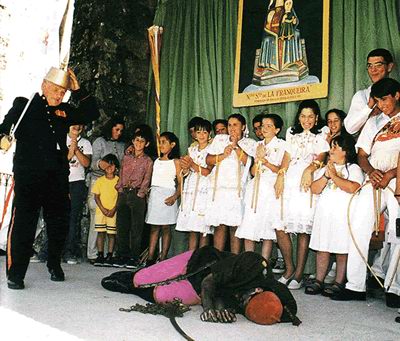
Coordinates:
256	187
283	172
143	256
182	185
374	199
196	188
216	177
378	212
377	207
154	36
257	193
239	183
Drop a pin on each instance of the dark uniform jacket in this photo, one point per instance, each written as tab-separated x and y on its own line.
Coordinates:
41	135
236	274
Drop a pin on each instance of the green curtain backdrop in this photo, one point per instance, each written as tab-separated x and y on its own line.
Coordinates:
198	57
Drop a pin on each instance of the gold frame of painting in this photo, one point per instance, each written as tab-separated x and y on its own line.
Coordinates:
286	66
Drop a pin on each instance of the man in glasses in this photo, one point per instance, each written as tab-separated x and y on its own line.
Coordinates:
378	149
363	105
379	65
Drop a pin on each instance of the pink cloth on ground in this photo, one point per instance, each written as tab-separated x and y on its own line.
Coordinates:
182	290
164	270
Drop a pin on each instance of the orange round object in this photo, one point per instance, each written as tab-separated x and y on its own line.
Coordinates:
264	308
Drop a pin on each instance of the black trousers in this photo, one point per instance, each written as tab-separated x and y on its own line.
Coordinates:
35	190
130	221
122	281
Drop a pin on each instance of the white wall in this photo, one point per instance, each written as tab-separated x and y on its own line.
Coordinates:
29	45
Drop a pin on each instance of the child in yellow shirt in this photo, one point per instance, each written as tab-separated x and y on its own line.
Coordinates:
106	195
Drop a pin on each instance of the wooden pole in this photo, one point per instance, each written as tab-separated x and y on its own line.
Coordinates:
154	35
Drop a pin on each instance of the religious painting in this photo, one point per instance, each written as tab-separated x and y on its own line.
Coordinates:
282	51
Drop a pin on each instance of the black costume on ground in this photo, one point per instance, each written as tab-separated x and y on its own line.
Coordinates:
41	175
233	275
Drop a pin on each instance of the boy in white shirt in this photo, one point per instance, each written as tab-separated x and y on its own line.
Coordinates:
378	151
79	154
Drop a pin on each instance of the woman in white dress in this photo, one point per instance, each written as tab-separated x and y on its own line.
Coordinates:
230	154
194	195
307	148
335	184
262	209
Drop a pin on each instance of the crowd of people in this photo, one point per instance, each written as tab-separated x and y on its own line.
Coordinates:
324	186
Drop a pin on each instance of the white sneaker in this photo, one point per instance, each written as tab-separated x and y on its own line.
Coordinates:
35	259
285	280
294	285
279	267
72	261
331	276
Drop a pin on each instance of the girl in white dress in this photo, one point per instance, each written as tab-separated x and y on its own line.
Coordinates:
306	148
335	122
262	199
194	195
230	154
335	183
163	208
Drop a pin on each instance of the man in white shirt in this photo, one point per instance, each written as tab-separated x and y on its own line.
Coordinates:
378	151
379	65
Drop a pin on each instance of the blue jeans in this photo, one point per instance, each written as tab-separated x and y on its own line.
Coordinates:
78	194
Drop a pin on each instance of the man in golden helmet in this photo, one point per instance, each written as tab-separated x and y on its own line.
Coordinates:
41	169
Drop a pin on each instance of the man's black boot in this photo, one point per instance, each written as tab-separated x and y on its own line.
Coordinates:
392	300
350	295
56	274
15	284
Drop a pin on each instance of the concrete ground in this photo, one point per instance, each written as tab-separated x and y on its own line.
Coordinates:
80	308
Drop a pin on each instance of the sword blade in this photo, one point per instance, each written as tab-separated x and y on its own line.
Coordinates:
179	329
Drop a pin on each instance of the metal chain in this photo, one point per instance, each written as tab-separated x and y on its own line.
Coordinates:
170	309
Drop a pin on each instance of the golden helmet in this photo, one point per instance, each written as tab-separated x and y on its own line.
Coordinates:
58	77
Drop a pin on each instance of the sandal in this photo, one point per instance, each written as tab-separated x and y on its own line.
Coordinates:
334	289
314	288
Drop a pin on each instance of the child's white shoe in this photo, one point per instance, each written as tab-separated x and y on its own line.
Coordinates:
285	280
294	285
